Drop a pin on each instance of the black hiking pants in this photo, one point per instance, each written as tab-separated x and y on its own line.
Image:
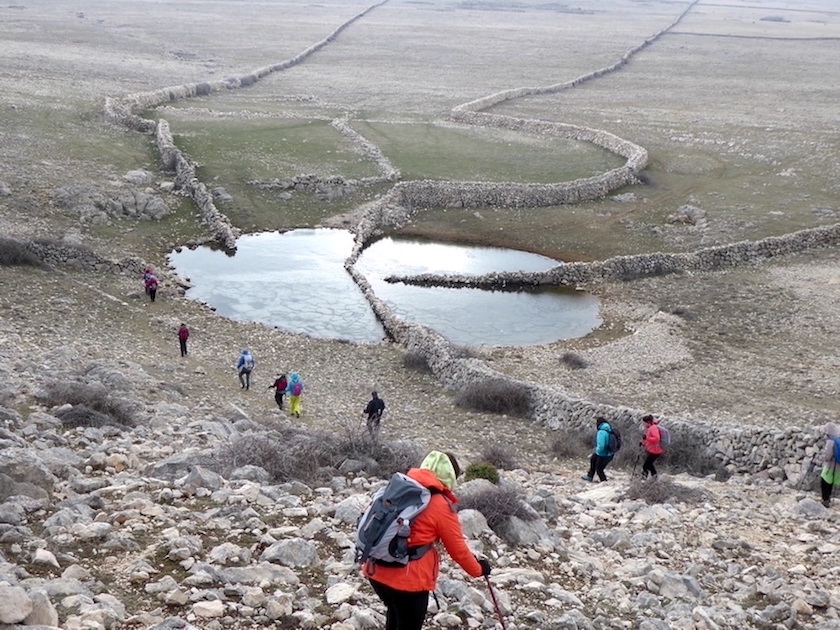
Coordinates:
648	468
373	423
245	378
278	397
825	489
597	464
183	343
404	610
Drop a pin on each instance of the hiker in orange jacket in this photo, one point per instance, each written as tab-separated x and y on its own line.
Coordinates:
405	589
652	443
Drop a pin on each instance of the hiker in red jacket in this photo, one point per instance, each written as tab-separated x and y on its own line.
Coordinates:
405	589
183	335
279	385
652	443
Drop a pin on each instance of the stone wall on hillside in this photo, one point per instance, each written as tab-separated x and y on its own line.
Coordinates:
779	452
625	268
57	254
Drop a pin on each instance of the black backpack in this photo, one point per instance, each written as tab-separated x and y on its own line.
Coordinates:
614	443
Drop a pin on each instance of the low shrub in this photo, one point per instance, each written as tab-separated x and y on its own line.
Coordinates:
295	453
498	505
82	416
465	352
15	253
495	395
94	398
572	444
416	361
573	361
500	457
659	490
482	470
689	454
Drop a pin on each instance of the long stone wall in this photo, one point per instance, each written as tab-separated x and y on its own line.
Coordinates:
624	268
757	449
56	254
782	453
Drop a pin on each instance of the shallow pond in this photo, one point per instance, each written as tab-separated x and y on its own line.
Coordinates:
296	281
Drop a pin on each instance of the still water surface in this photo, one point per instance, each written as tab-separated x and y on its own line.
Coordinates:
296	281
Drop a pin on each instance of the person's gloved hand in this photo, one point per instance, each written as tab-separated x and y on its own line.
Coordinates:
485	567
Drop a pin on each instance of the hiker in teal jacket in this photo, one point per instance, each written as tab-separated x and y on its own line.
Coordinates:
830	475
602	455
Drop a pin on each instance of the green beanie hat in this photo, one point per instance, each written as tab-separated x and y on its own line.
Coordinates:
440	464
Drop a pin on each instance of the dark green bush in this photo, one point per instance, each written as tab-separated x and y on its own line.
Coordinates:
416	361
495	395
15	253
500	457
482	470
659	490
95	398
497	505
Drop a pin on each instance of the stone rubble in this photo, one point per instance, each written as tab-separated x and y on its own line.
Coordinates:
121	527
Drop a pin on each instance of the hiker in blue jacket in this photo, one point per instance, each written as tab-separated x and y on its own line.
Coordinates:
244	366
602	455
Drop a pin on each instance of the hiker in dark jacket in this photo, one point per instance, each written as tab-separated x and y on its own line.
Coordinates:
374	410
183	335
279	386
602	455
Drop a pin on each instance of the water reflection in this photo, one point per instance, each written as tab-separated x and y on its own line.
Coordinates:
296	281
474	316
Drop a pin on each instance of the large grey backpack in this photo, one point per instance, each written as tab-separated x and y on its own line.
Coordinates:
383	530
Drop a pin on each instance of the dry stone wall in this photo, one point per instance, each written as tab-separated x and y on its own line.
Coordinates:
756	449
780	453
56	254
624	268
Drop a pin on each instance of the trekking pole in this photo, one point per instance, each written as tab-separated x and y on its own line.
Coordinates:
807	474
636	464
495	602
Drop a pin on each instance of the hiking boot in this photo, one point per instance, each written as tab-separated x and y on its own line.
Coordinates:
826	502
586	478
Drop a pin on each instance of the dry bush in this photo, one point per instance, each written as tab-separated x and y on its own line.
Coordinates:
573	361
659	490
296	453
689	454
496	396
416	361
572	444
82	416
91	397
15	253
500	457
497	505
465	352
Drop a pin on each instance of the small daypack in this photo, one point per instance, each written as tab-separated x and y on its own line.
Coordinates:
614	443
384	528
836	450
664	437
248	363
297	389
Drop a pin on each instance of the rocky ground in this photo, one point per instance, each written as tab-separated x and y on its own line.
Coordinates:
116	526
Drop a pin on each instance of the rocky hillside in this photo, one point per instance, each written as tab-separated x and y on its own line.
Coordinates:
132	509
